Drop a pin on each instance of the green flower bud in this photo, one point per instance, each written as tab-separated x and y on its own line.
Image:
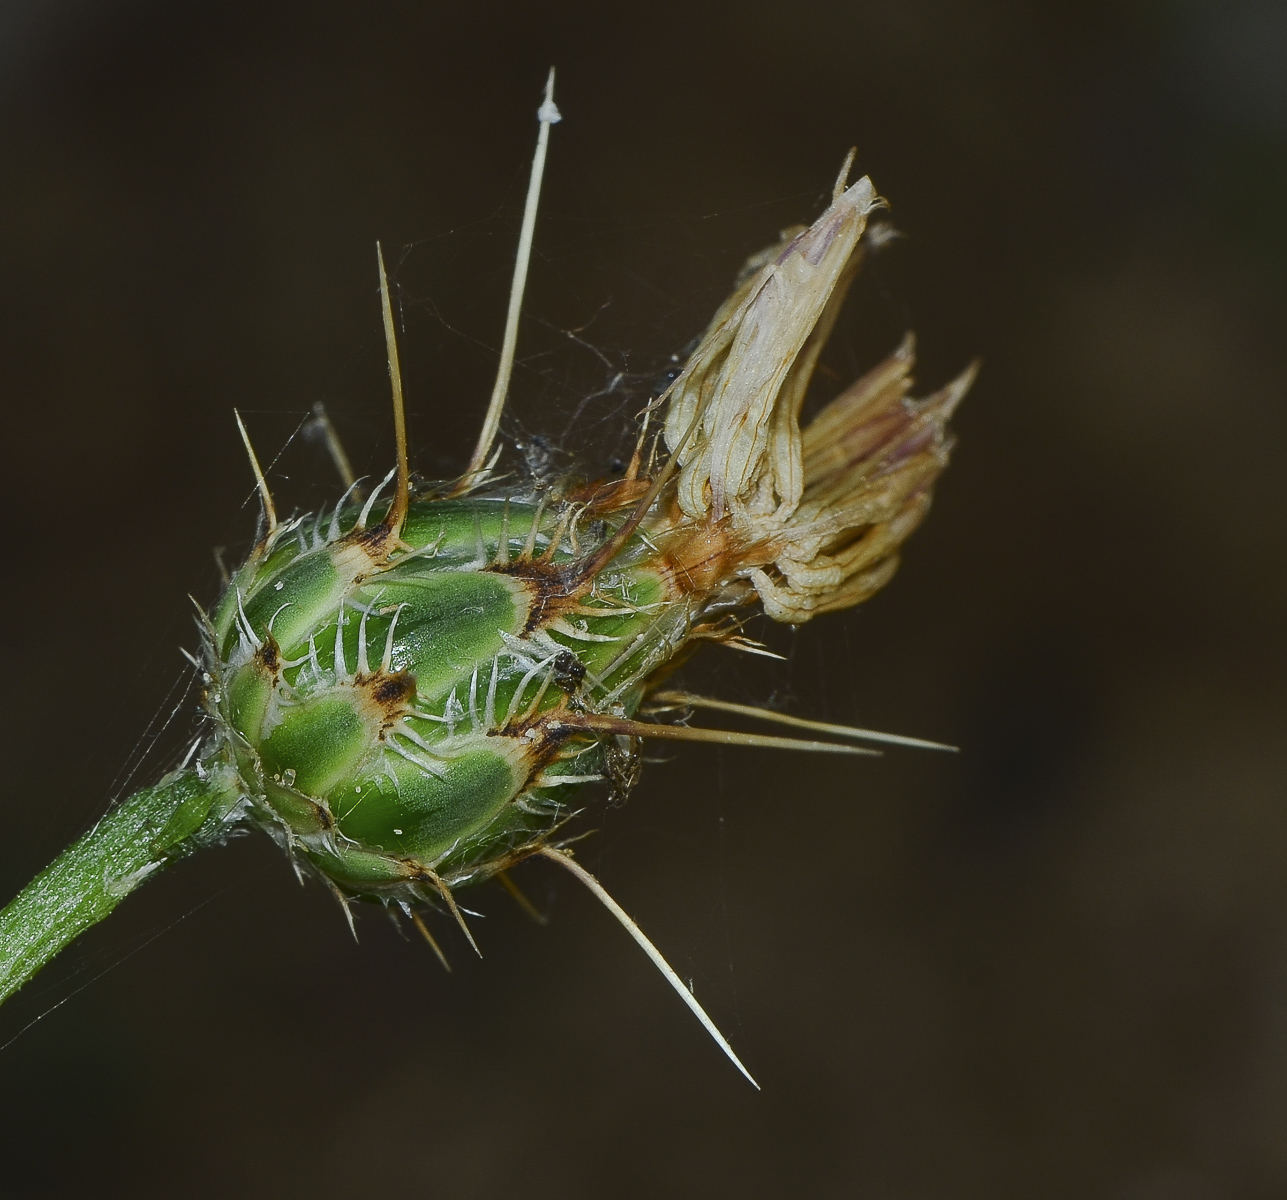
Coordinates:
407	722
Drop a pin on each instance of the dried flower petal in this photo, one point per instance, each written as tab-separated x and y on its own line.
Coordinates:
733	420
815	517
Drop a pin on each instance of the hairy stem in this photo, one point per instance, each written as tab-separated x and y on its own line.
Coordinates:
144	833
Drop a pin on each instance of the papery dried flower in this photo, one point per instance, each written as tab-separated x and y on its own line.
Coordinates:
814	517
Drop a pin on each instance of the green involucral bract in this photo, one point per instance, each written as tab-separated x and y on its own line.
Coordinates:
388	720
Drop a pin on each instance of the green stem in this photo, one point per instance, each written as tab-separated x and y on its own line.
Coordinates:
144	833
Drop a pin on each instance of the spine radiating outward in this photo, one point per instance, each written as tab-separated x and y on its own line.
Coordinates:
407	693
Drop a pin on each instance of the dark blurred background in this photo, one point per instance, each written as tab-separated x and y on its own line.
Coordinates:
1052	965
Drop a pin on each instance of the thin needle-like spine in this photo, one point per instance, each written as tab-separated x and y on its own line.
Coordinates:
502	549
334	447
568	863
601	723
445	892
402	498
418	921
516	893
265	496
842	179
548	114
766	714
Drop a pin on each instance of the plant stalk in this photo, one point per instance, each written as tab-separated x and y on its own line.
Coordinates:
134	841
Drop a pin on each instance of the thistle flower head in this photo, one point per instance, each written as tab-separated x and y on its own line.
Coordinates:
410	701
406	693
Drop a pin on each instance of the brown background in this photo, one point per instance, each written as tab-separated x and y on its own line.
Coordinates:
1054	965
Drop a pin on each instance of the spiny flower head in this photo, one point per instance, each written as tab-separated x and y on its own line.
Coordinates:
408	690
410	702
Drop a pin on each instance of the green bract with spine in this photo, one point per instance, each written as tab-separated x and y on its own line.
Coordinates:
409	723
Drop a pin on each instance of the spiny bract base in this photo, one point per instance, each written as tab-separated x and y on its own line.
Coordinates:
411	723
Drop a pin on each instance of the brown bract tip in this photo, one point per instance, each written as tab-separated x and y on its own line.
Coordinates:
385	696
